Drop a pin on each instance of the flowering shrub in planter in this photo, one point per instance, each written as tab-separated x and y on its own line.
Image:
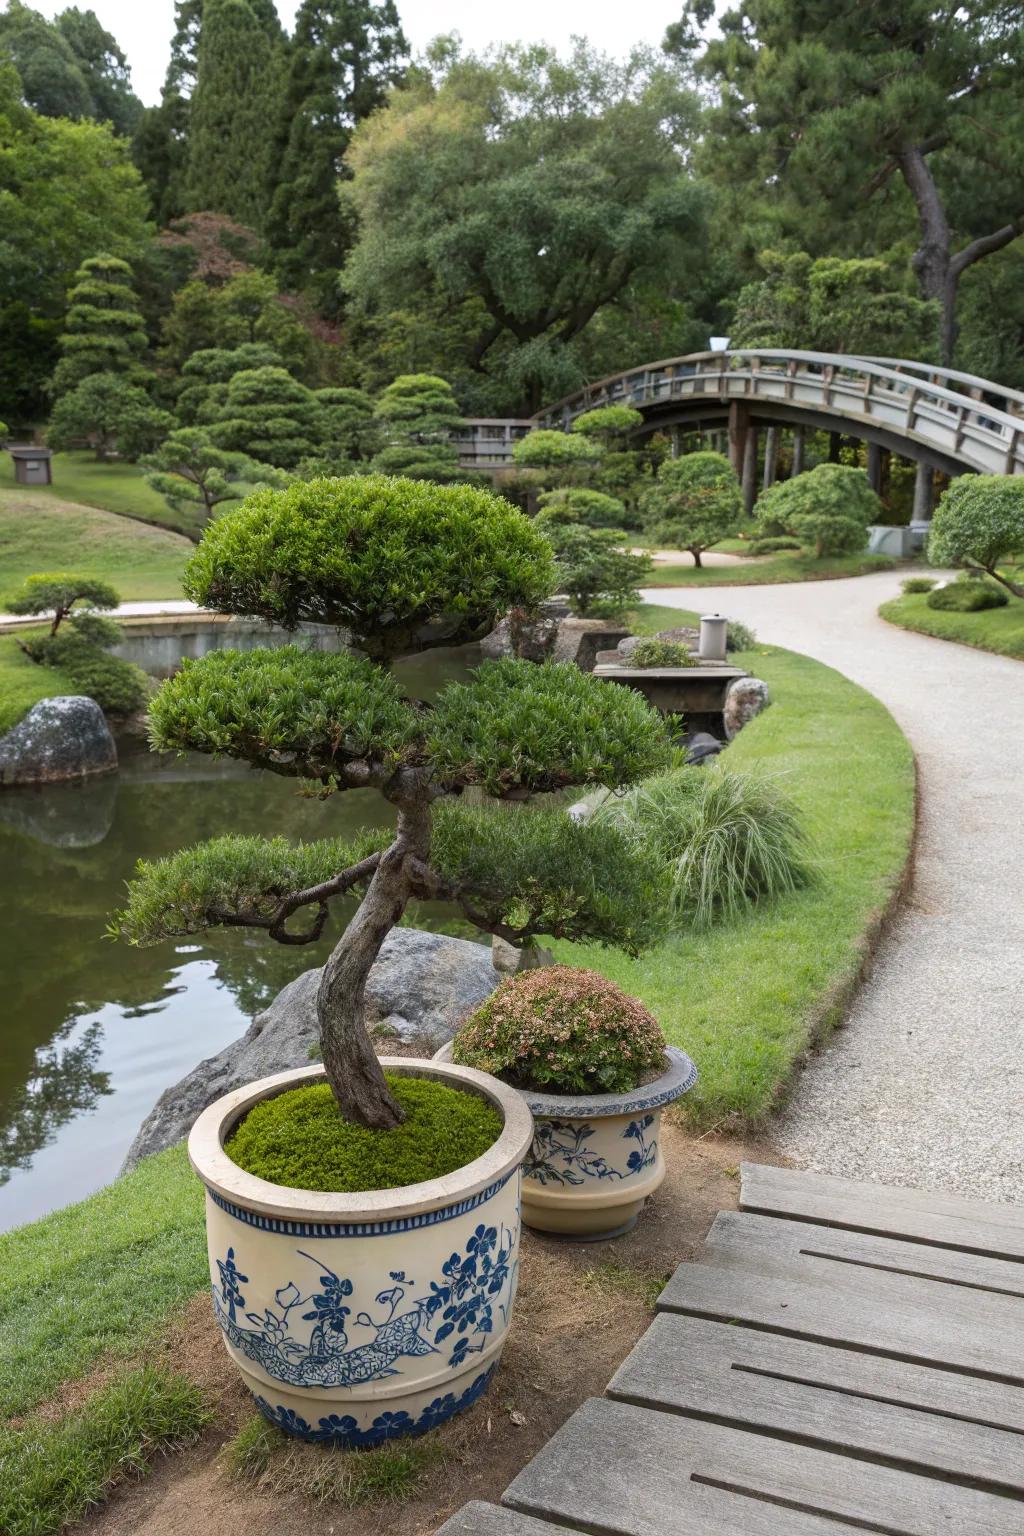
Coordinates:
594	1069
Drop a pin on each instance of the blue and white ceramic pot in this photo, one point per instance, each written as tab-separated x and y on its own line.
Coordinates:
359	1318
596	1158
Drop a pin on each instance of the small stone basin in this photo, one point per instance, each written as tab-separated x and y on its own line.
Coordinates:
698	690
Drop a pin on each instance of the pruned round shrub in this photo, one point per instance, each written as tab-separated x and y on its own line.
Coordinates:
970	596
565	1029
829	507
914	584
577	504
694	503
773	546
380	557
547	449
653	652
300	1140
728	839
599	575
979	522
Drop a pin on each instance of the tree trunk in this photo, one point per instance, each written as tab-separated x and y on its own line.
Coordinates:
350	1061
696	557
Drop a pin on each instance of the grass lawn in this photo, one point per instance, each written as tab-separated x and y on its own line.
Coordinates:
768	570
23	683
993	629
114	487
746	998
41	533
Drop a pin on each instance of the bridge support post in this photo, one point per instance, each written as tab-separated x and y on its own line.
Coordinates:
739	423
875	468
798	450
771	455
749	476
924	495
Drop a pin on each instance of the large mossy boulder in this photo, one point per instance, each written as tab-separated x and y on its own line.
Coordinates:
62	738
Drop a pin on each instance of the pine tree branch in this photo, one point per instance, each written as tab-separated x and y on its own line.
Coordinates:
985	245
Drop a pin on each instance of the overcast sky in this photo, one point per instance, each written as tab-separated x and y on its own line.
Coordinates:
143	27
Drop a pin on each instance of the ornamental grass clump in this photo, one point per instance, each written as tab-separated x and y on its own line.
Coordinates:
726	840
662	653
403	566
568	1030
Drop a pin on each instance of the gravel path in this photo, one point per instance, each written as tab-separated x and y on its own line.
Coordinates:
925	1084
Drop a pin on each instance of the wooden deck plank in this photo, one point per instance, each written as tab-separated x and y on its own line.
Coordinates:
899	1414
887	1322
477	1519
919	1216
769	1237
635	1472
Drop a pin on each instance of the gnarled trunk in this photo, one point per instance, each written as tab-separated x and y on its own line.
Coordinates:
350	1061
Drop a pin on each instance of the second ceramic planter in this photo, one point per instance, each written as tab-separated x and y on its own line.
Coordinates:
596	1158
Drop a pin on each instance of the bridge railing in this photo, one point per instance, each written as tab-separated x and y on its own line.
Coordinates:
486	441
890	395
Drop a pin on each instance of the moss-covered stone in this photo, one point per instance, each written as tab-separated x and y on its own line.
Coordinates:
299	1139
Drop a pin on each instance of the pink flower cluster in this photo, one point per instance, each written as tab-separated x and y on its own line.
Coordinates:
558	1027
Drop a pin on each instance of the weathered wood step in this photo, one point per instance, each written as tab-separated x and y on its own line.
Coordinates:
912	1416
900	1318
851	1256
917	1215
629	1471
478	1519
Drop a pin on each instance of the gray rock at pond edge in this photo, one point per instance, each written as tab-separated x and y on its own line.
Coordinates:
744	698
700	745
530	639
421	986
66	737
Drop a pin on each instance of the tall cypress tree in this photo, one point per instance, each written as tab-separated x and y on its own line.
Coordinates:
162	147
345	56
230	126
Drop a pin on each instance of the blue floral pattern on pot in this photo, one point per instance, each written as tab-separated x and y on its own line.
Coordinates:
455	1316
560	1153
343	1430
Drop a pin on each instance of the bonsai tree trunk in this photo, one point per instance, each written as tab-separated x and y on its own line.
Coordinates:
350	1061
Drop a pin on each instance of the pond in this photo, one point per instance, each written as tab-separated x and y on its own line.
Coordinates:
92	1030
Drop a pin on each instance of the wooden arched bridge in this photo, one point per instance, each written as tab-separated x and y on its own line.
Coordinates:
939	417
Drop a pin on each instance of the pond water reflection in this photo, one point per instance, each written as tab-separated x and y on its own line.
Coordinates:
92	1031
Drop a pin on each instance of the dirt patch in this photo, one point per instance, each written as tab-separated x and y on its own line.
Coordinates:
580	1310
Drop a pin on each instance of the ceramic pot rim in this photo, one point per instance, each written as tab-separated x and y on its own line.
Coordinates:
678	1078
234	1185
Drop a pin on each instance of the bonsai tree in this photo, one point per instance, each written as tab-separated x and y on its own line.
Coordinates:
206	374
552	458
695	502
78	638
195	477
979	524
609	425
403	566
829	507
106	331
268	415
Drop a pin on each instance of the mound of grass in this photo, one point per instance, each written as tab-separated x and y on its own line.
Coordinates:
299	1138
51	1474
995	629
23	683
113	487
98	1278
787	565
261	1456
746	997
39	532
